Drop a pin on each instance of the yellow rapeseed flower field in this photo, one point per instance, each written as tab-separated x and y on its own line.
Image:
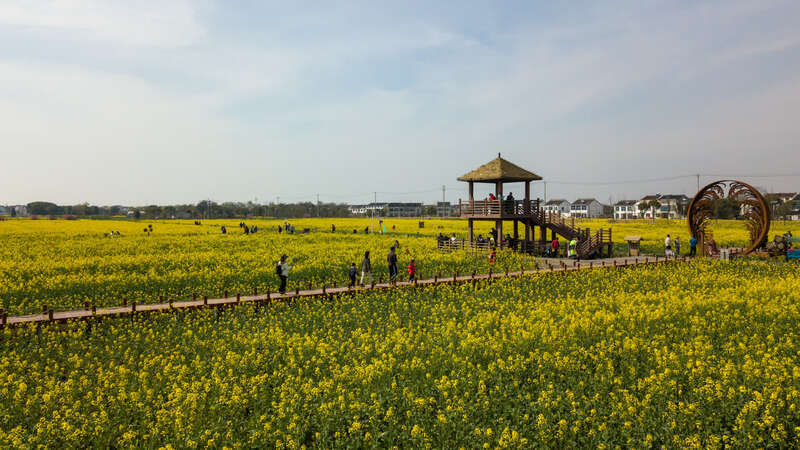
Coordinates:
63	264
700	354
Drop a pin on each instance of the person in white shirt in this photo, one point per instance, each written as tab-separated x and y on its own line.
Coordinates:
668	246
282	270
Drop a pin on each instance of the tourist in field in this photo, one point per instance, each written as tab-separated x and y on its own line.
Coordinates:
396	244
692	246
412	270
282	270
333	230
391	260
492	255
677	246
554	247
352	274
366	269
223	229
667	246
573	248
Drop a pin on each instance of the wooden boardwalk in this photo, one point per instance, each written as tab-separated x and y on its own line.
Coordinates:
134	308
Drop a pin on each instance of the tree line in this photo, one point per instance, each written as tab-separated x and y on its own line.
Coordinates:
202	210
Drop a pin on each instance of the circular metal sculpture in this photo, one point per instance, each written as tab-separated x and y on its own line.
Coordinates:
756	211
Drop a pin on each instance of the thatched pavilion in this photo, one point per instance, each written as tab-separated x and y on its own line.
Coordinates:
499	172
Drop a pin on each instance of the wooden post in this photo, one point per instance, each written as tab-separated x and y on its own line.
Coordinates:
205	300
469	227
50	315
225	294
516	231
527	206
255	291
237	297
499	227
133	307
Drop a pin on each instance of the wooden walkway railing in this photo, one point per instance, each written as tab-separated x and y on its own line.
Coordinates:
91	312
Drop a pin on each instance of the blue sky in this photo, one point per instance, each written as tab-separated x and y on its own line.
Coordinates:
171	102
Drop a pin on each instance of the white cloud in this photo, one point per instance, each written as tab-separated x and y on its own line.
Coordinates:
170	23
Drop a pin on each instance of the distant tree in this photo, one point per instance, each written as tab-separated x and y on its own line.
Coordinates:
430	210
654	206
13	212
643	206
152	211
44	208
683	207
137	214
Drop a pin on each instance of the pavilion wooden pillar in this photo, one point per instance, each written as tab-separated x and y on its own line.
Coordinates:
516	232
527	235
471	208
499	226
469	232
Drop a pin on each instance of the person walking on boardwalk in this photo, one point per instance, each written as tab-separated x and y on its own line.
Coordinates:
492	255
692	246
391	260
677	246
667	246
573	248
282	270
366	269
412	270
352	274
554	247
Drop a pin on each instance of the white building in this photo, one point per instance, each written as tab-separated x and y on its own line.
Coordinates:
625	209
21	210
560	206
587	208
404	209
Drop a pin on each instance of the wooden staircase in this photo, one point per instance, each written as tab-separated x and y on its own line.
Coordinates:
589	244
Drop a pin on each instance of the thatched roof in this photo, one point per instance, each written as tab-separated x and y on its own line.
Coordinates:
500	170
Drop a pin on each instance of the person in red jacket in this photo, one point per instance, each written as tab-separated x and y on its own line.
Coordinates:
412	270
491	256
554	245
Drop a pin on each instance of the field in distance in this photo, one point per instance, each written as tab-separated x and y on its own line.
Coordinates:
62	264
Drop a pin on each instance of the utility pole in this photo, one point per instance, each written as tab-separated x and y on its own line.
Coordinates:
372	215
698	182
317	205
545	191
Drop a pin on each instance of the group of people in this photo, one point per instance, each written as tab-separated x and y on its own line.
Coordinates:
289	228
247	229
282	268
673	248
114	233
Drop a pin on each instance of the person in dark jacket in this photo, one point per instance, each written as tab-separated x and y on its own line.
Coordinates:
391	260
352	274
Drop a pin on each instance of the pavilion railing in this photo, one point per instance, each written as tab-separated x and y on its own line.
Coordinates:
498	207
